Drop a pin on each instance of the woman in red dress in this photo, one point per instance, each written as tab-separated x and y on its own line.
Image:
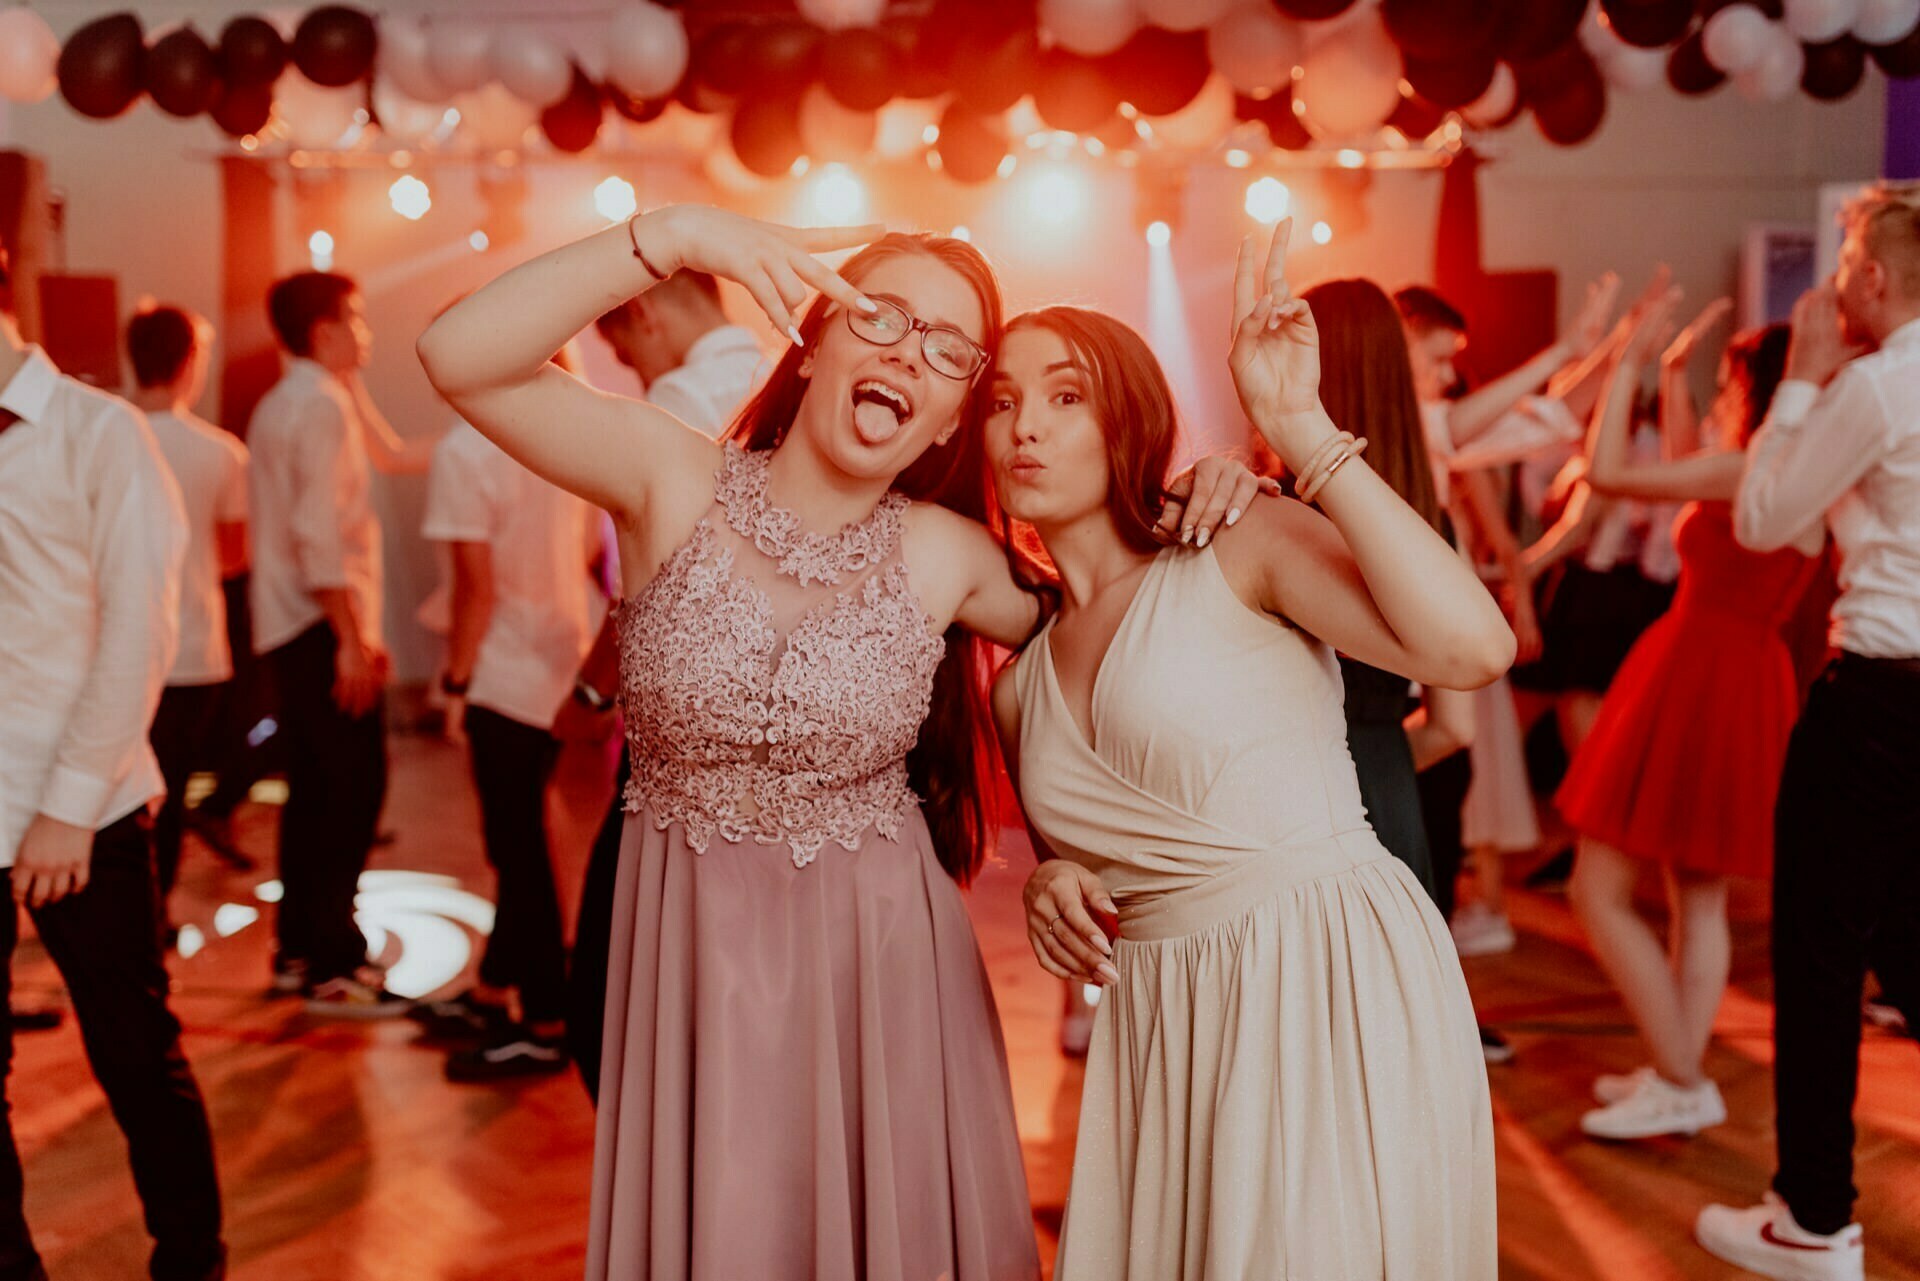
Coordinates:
1683	762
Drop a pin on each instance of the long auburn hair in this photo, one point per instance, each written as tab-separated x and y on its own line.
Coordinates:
1756	363
950	764
1366	384
1134	405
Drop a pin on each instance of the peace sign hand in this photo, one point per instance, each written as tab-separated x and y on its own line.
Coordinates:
1276	346
775	263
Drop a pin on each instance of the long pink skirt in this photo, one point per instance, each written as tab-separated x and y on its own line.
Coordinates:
804	1075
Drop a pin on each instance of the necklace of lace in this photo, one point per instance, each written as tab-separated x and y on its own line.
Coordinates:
775	532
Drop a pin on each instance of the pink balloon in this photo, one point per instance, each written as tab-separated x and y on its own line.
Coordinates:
29	52
494	119
532	67
1776	73
1350	82
839	15
403	59
1255	48
1818	21
1201	122
1497	103
1735	38
832	131
314	117
403	119
1886	21
459	54
1089	27
1633	68
646	50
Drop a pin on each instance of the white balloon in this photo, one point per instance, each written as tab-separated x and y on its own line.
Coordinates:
1777	72
1736	37
404	59
832	131
1886	21
29	53
1634	69
532	67
494	118
1089	27
1497	102
903	127
403	119
1184	15
646	50
838	15
315	118
1255	48
1200	123
1818	21
1350	82
459	54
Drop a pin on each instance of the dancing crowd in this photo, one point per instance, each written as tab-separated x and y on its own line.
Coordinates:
1262	718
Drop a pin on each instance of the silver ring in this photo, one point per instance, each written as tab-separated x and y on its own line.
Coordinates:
1050	924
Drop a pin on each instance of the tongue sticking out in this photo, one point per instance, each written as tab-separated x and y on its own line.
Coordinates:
876	422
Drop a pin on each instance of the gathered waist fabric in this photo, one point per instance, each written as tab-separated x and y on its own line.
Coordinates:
1225	896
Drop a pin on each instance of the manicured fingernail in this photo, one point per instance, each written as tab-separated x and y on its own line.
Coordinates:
1107	972
1099	940
793	332
1201	541
868	304
1233	516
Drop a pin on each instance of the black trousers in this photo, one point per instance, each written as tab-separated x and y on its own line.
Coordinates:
182	738
1443	791
336	781
102	940
593	940
245	749
512	763
1846	897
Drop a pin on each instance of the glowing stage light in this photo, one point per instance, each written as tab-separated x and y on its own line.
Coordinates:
1322	233
1268	200
961	233
1351	159
478	242
1054	193
838	195
614	200
1238	159
1159	234
410	197
320	250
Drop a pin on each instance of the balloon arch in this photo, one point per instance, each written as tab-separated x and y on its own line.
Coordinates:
960	82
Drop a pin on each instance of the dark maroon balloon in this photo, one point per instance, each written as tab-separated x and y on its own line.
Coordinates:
780	59
638	110
970	146
766	135
1074	93
1452	82
718	60
182	76
1435	30
1416	117
101	66
572	123
1568	95
334	45
1774	9
857	69
1649	23
1312	10
251	52
992	72
1901	60
1689	71
242	109
1158	71
1533	28
1834	69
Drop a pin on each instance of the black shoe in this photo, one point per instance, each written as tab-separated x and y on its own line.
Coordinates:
516	1052
1495	1047
355	996
461	1018
1552	876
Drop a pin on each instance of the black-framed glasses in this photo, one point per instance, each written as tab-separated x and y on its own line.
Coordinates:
947	351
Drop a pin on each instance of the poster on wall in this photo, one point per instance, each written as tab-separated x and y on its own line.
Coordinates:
1777	265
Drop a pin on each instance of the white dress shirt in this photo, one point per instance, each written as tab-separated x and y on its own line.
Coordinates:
542	623
706	390
210	466
310	491
91	540
1850	453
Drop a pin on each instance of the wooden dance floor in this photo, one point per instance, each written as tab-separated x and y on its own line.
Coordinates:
347	1157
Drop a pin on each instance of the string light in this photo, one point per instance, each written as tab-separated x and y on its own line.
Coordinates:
410	197
1322	233
320	250
1268	200
614	200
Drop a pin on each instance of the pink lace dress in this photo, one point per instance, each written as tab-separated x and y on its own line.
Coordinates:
804	1074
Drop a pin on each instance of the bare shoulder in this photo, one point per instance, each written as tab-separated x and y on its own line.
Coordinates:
1275	533
946	529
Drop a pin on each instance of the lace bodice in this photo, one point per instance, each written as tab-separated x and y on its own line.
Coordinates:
774	680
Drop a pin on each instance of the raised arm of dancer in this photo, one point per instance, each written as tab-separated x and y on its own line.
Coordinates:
489	353
1568	534
1371	578
390	453
1679	416
1482	407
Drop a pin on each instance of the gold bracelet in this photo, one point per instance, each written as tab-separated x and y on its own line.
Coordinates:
1320	482
1327	448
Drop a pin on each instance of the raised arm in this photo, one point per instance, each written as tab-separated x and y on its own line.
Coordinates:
1679	417
489	353
1371	577
1482	407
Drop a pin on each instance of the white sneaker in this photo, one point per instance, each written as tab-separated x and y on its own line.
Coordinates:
1611	1087
1765	1239
1480	931
1657	1106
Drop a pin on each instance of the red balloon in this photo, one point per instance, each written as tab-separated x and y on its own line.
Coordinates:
102	65
1533	28
992	73
1648	23
1437	30
780	59
251	52
718	60
243	109
1313	10
1158	71
1452	82
181	75
1690	71
334	45
856	67
766	135
970	146
1074	93
1568	95
638	110
572	123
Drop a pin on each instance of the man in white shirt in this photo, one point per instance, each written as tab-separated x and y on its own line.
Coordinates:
702	369
521	623
168	349
316	589
90	550
1842	444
